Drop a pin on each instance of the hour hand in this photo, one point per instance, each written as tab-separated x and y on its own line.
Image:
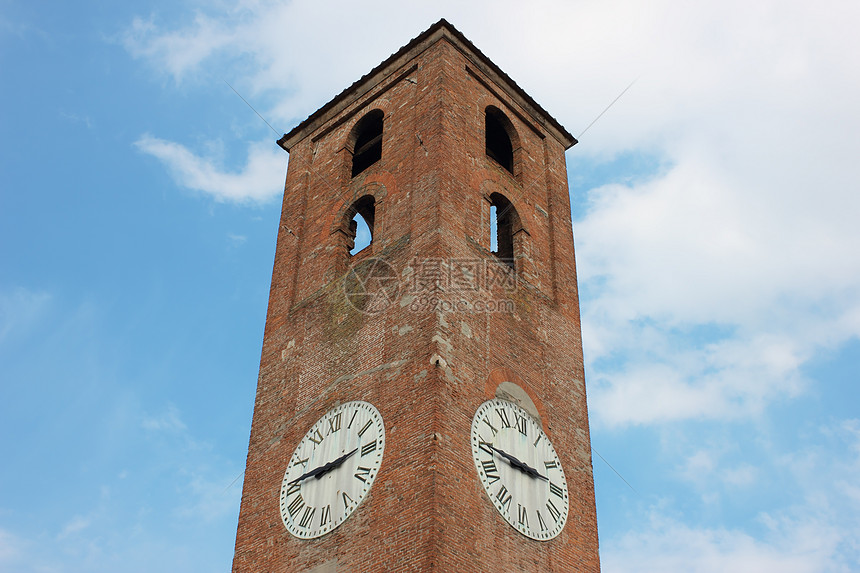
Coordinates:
335	464
522	466
320	471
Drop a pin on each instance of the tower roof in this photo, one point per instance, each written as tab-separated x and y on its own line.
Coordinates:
439	30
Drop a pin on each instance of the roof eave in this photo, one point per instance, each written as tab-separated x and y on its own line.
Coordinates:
386	68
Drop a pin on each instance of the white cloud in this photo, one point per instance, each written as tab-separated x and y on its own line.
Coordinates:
791	546
816	531
260	180
744	475
284	42
716	280
670	374
75	525
177	52
699	464
711	473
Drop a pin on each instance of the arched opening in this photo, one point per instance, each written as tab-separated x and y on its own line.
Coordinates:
499	146
504	221
360	219
367	135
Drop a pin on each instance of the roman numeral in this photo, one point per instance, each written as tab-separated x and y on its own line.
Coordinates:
521	424
293	488
364	428
504	417
541	523
486	446
325	515
348	426
295	506
504	498
368	448
492	427
362	473
307	516
304	463
334	423
538	439
553	510
347	501
491	471
556	490
551	465
316	438
522	516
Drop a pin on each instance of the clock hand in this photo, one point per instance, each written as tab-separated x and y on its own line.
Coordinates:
511	459
335	464
324	469
522	466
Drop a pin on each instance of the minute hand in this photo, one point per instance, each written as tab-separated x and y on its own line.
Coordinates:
325	468
522	466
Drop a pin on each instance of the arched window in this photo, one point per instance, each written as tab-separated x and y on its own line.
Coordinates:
504	222
360	218
367	135
498	130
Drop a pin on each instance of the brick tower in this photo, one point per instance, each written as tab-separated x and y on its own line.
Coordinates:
421	400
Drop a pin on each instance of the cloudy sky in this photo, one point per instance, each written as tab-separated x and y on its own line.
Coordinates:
715	209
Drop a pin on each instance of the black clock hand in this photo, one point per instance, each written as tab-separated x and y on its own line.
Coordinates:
335	464
324	469
522	466
511	459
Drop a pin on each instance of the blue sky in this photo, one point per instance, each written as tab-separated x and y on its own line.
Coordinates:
714	207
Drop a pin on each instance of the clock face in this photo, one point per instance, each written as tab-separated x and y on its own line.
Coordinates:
519	469
332	469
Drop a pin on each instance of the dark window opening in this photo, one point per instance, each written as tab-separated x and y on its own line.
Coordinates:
360	225
503	217
368	142
499	146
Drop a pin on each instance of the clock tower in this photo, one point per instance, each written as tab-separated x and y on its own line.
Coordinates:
421	398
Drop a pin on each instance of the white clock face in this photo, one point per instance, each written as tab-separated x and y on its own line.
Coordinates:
332	469
519	469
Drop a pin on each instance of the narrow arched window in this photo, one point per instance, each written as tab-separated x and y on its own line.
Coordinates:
367	137
360	219
498	139
504	221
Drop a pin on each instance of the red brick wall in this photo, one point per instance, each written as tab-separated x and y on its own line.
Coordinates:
426	369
